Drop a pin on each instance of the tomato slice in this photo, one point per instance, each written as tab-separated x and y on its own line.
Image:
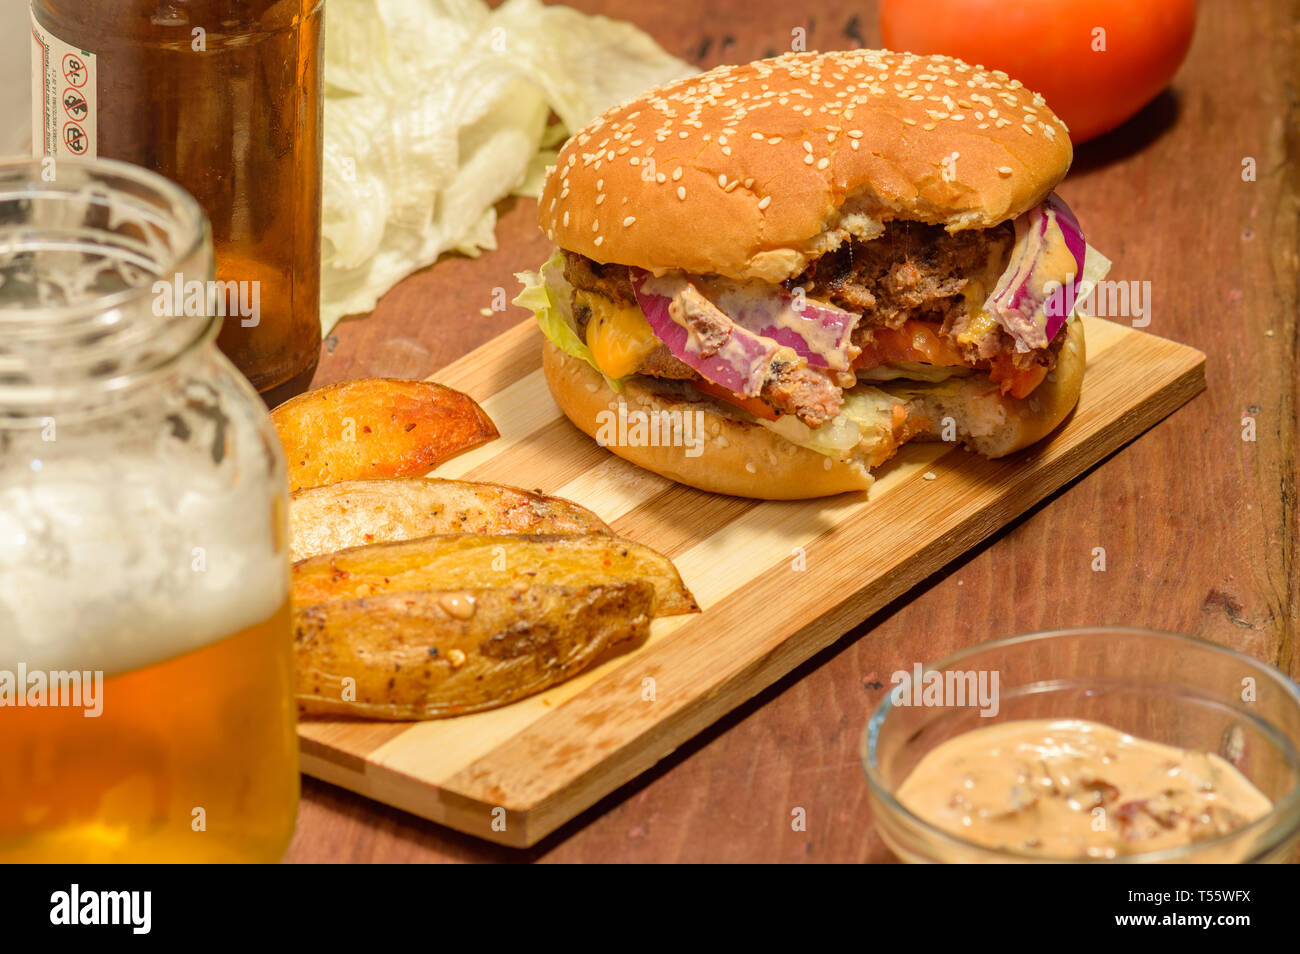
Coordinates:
1018	382
918	341
752	405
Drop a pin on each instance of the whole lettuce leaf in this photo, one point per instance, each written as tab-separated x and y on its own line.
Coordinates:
437	109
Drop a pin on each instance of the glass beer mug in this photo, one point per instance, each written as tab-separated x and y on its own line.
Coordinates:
146	680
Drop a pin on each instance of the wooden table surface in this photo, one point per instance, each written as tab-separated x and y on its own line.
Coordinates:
1198	525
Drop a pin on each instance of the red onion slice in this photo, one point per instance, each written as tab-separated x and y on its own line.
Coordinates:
818	331
1036	293
740	364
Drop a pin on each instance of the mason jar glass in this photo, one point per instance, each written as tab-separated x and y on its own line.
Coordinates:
146	681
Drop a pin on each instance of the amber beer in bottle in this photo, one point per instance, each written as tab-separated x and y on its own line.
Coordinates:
224	98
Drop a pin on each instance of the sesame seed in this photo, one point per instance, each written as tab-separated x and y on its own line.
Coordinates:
1005	170
600	240
595	226
629	220
681	192
600	197
855	133
677	173
823	163
722	179
764	202
808	159
566	218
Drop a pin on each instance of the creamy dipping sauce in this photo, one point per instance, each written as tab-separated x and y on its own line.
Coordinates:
1076	789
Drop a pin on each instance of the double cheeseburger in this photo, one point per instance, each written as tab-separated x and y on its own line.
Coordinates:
823	254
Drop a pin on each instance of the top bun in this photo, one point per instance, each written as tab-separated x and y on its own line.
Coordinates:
753	171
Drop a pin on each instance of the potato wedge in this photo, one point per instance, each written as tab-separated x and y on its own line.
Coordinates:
354	513
376	427
476	561
434	654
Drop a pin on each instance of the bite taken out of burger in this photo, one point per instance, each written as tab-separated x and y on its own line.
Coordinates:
820	257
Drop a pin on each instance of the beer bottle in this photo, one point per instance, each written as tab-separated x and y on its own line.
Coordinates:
224	98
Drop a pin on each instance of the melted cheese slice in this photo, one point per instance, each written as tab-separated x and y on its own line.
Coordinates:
619	336
981	322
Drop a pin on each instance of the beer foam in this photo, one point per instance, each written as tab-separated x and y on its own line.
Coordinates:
116	563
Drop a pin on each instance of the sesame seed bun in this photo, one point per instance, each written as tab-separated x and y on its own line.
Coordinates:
745	459
753	171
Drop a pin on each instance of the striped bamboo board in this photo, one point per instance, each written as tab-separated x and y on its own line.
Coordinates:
515	774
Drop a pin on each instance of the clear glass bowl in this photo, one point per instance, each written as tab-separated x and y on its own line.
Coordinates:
1172	689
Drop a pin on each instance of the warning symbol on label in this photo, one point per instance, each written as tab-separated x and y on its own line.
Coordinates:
74	70
74	137
74	104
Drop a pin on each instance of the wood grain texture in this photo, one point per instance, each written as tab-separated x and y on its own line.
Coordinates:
777	581
1199	526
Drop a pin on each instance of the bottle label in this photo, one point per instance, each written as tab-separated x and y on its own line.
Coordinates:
63	97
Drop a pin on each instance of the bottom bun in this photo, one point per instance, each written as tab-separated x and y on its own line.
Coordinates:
727	454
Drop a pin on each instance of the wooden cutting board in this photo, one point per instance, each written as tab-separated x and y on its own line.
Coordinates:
777	581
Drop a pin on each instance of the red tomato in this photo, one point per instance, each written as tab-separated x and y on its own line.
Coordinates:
1097	62
752	405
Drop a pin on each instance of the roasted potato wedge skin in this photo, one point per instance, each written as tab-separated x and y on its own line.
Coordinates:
355	513
419	656
474	561
376	427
